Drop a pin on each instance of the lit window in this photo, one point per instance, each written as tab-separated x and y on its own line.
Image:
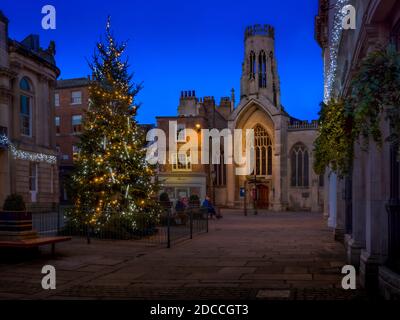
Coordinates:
76	97
75	152
57	123
57	99
182	162
180	133
76	124
263	151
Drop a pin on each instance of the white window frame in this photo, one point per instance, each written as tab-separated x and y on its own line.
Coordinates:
177	166
76	100
59	124
73	125
181	127
56	99
34	191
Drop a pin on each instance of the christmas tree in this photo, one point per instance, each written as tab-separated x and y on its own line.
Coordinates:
112	180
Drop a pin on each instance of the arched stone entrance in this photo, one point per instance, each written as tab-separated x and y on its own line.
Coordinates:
262	196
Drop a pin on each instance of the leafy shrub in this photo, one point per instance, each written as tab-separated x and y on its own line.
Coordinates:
14	202
164	197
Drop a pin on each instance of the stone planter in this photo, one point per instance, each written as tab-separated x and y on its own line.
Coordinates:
16	225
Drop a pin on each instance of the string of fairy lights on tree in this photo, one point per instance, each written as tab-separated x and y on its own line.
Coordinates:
112	182
27	155
335	38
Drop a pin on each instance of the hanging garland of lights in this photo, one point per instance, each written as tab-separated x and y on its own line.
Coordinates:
335	38
26	155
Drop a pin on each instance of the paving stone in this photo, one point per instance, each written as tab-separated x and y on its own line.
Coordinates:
241	257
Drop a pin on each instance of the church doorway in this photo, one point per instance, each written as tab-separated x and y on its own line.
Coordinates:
263	197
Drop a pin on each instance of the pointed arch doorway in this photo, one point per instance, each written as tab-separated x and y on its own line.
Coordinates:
263	196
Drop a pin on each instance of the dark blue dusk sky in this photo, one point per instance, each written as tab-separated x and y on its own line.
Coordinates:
183	45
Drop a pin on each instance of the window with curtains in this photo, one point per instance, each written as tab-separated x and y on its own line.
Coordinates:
57	124
263	152
76	124
26	98
299	166
76	97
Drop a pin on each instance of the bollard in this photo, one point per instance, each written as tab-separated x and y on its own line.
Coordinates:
191	223
168	228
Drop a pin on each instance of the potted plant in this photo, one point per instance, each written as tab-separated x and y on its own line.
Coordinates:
15	221
194	201
164	200
166	204
181	215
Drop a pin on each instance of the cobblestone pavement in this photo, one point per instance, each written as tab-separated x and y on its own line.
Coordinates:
269	256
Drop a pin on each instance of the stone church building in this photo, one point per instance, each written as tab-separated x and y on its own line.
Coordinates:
283	177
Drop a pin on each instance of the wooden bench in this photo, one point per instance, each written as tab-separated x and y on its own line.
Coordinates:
34	243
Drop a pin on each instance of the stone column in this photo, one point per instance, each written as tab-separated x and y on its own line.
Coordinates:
230	185
326	194
332	186
375	250
277	165
356	241
339	230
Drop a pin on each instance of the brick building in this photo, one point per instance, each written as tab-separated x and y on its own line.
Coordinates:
71	98
284	177
28	162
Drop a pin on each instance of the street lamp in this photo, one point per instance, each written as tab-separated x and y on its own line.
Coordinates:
213	175
255	193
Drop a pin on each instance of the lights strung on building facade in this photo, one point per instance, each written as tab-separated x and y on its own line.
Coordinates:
334	42
26	155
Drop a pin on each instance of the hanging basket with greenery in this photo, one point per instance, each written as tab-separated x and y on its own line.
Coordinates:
333	146
374	96
375	93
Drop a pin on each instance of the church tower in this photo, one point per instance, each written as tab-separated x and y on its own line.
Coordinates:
259	71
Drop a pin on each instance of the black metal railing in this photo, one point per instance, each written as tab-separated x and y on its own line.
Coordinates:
166	228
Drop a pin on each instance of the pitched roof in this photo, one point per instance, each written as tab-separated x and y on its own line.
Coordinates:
72	83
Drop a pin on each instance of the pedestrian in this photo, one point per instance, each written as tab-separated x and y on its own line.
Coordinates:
210	209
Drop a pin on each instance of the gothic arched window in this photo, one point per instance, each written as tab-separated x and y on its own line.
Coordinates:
25	112
263	151
262	70
252	72
299	166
